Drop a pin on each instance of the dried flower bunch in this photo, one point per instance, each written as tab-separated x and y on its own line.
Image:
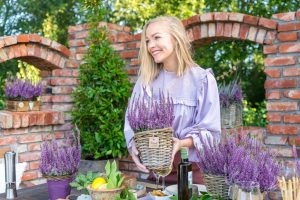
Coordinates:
145	113
230	93
244	162
18	89
60	160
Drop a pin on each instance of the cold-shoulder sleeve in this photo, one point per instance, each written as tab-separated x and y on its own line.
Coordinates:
207	114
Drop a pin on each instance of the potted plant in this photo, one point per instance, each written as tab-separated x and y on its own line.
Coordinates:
22	95
231	103
59	164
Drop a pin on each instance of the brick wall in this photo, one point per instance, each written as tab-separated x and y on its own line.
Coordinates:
280	37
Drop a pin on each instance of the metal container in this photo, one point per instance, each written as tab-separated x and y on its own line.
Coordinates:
10	174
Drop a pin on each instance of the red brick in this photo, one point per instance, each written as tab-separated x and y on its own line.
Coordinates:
129	54
62	98
227	29
252	33
8	140
289	48
62	90
236	30
16	120
63	81
220	29
29	156
274	117
34	147
291	118
64	50
137	36
25	120
117	47
56	59
267	23
126	29
280	61
51	118
46	41
23	50
35	38
204	30
30	49
30	138
270	37
273	95
132	71
196	32
280	83
2	43
211	30
34	165
10	52
194	19
291	72
249	19
123	37
270	49
244	31
23	38
273	73
238	17
289	27
261	36
3	55
206	17
281	129
32	119
10	40
40	119
77	43
27	176
221	16
82	34
16	51
282	106
37	51
293	94
50	56
298	15
290	36
294	141
134	62
290	16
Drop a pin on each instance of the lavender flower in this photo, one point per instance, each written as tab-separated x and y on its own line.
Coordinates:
297	162
60	160
231	93
17	89
144	113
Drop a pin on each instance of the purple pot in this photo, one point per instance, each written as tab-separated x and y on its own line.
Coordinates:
59	188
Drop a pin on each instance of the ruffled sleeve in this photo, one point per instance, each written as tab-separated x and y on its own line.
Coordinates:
207	114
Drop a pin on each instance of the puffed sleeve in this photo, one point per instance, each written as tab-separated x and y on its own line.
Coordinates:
207	115
128	132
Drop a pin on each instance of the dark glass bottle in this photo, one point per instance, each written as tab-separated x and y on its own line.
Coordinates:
184	176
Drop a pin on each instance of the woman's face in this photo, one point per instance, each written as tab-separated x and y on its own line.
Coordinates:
160	43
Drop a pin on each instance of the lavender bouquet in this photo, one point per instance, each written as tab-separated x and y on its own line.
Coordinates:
145	113
230	93
60	160
18	89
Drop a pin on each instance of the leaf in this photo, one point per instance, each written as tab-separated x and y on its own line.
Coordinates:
107	169
120	182
114	166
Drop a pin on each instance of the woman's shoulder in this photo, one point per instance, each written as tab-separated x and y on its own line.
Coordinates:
200	74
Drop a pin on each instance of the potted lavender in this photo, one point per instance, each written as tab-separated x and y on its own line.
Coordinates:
151	121
22	95
59	164
231	103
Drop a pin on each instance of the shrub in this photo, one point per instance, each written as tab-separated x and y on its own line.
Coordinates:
100	99
254	115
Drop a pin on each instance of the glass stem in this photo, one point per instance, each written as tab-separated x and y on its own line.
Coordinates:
163	183
157	180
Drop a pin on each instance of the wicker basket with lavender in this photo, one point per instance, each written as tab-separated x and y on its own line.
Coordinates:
151	121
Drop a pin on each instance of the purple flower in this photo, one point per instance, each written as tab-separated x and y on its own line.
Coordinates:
17	89
144	113
58	159
231	93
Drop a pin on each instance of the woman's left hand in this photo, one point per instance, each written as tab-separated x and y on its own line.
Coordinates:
176	147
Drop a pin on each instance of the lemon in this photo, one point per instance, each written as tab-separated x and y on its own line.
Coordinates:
98	182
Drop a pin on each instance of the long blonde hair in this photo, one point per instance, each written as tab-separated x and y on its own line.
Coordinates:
149	69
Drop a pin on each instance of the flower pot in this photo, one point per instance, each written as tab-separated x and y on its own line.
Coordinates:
105	194
232	116
22	106
217	185
59	188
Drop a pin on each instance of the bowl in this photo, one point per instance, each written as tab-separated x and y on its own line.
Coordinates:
172	189
154	197
104	194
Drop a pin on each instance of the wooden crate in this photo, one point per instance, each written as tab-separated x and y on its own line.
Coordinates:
22	106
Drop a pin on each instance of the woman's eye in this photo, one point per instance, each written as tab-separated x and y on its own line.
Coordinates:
147	41
157	37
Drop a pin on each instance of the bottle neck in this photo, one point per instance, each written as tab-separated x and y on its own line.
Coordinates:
184	160
184	155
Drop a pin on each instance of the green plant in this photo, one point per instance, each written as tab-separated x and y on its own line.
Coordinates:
82	181
204	196
113	175
101	98
254	115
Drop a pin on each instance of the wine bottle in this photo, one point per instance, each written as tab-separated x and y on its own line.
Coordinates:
184	176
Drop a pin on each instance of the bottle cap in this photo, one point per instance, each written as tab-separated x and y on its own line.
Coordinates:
184	153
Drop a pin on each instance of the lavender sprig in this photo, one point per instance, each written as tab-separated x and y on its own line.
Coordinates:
145	113
231	93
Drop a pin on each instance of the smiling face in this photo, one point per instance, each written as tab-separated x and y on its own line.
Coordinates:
161	44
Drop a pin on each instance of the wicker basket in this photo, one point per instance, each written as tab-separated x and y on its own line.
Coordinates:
159	156
232	116
216	185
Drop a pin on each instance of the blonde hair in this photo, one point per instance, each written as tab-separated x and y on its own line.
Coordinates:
149	69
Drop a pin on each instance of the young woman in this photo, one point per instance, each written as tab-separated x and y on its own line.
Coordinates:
167	65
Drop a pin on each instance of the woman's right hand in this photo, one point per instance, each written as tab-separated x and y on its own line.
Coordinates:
136	159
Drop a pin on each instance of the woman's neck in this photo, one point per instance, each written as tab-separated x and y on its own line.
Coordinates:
171	66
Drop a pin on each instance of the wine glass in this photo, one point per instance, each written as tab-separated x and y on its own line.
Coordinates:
162	172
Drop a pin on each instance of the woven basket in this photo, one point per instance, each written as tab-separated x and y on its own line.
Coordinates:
160	156
232	116
216	185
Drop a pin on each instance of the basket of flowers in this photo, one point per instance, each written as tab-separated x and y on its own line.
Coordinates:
151	121
231	103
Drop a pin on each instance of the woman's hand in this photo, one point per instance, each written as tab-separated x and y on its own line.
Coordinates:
136	159
176	147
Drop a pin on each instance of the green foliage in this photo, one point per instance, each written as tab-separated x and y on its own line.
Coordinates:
125	195
113	175
100	100
254	115
204	196
82	181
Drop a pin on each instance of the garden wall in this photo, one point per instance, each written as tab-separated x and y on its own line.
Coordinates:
280	37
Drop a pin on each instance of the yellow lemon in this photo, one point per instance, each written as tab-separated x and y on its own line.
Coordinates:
98	182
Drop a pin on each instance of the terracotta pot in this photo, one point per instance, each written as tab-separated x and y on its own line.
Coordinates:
23	106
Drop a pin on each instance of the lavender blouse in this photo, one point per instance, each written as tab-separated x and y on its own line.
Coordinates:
196	110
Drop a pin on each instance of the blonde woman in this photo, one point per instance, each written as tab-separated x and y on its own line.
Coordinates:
167	65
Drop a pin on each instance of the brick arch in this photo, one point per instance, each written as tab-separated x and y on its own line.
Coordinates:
34	49
205	28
